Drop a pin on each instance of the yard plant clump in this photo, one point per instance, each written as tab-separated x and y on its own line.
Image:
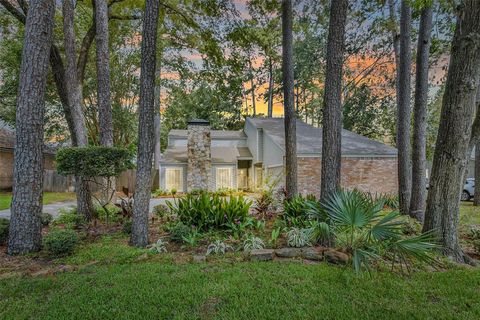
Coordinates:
60	242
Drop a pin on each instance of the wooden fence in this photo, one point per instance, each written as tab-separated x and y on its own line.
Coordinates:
55	182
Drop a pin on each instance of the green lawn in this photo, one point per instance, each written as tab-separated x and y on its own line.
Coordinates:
48	197
122	286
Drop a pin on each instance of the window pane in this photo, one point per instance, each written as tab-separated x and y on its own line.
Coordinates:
224	178
173	179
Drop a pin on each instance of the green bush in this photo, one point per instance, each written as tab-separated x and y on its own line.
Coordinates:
206	211
159	192
94	161
70	219
179	232
4	225
46	218
161	210
474	232
112	213
60	242
298	210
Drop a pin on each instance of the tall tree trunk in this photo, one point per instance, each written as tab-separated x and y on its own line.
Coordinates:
103	74
157	120
451	150
332	107
404	110
25	225
74	99
146	125
288	99
419	150
270	88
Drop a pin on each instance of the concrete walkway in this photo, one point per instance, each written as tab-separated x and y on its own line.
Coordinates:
55	208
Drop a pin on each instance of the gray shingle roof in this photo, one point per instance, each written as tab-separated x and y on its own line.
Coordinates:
214	134
219	154
309	139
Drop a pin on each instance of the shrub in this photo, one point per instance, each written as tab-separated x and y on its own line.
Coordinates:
94	161
476	246
299	238
367	234
161	210
70	219
46	218
206	211
159	193
109	213
179	231
218	247
264	204
298	210
60	241
253	243
4	225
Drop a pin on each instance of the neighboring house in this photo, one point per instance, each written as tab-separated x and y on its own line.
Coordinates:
7	143
200	158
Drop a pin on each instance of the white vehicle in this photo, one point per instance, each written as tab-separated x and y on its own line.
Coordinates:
468	189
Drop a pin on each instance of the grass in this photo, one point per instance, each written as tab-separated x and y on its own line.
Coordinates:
129	283
48	197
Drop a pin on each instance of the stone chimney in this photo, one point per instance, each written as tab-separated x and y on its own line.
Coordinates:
199	170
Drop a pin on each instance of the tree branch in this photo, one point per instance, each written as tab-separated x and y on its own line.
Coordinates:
16	12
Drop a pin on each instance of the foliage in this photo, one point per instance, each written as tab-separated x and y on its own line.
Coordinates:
108	213
94	161
253	243
192	237
299	238
158	247
297	211
367	234
161	210
46	218
218	247
69	218
476	246
4	225
474	232
127	227
264	203
159	193
59	242
206	211
390	200
179	231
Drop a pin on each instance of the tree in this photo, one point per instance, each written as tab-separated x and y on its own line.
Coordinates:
74	99
103	73
419	145
403	109
332	108
458	108
288	99
146	126
25	226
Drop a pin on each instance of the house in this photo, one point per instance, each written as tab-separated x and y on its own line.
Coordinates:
200	158
7	143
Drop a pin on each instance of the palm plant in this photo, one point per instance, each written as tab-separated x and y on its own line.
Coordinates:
368	234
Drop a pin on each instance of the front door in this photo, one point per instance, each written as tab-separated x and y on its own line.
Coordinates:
242	179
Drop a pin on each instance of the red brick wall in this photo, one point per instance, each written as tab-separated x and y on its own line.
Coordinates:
376	175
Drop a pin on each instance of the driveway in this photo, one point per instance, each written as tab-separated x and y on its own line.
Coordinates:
55	208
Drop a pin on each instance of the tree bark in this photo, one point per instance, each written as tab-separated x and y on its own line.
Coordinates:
103	74
252	85
146	125
25	224
332	107
458	109
75	97
404	110
419	149
288	99
270	88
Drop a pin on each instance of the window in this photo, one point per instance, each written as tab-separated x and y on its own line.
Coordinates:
174	179
224	178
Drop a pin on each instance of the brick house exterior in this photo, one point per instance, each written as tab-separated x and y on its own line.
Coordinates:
248	158
369	174
7	143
